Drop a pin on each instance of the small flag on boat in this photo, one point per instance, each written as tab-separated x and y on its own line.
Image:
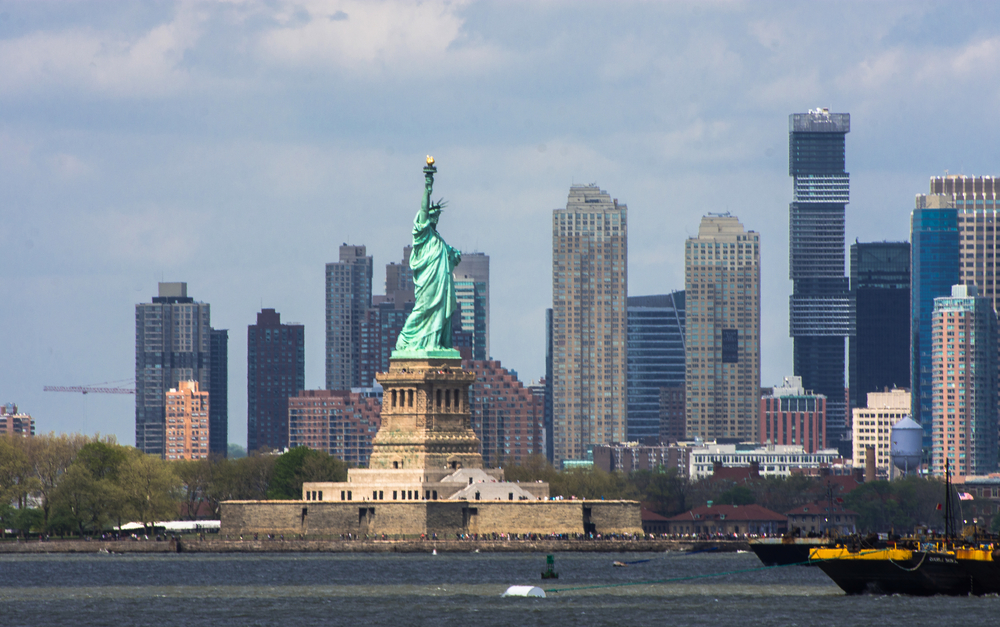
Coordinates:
965	496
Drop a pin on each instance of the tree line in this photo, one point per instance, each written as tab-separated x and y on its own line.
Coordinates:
881	506
80	485
75	484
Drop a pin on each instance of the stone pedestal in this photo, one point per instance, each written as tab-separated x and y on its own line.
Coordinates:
425	418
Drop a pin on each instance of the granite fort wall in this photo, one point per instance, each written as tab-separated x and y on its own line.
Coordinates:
615	516
214	544
444	518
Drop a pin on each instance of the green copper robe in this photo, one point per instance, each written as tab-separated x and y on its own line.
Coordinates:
428	327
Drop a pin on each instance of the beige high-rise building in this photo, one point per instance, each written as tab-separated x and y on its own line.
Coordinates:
722	284
872	426
589	317
975	198
187	422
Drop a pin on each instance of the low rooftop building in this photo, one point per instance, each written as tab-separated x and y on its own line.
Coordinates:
737	520
818	517
773	460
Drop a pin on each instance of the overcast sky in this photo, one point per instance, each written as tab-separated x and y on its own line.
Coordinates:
236	145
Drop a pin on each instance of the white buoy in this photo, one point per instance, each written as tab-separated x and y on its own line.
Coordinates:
434	552
524	591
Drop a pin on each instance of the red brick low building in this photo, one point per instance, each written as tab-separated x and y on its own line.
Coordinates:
728	520
653	522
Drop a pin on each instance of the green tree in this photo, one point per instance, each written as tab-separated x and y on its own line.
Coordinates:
897	505
737	495
15	471
151	488
665	492
28	519
102	459
245	479
303	464
80	499
235	451
19	520
535	468
49	456
198	485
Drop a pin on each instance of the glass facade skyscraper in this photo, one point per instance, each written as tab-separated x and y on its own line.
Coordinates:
819	317
472	289
879	345
655	359
218	409
934	263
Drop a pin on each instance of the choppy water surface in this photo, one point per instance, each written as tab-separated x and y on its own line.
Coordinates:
448	589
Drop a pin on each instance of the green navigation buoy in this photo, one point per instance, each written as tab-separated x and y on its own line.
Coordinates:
549	572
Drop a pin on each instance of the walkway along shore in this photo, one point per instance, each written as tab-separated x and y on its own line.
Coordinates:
216	545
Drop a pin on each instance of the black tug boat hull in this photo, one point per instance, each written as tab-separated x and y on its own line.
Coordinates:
919	575
985	576
786	551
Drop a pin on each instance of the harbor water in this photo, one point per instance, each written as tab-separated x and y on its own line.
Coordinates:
447	589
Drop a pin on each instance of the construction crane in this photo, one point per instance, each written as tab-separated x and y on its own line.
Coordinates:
92	389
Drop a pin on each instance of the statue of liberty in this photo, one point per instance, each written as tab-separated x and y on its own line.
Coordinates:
427	332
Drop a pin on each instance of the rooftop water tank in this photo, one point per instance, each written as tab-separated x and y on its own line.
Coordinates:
905	444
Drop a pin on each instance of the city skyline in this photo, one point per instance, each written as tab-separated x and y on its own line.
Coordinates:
145	152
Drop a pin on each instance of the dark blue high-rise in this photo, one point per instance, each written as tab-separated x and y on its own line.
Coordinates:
656	360
934	239
879	346
819	318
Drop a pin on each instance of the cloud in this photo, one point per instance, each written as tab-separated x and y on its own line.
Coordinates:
363	38
150	236
147	63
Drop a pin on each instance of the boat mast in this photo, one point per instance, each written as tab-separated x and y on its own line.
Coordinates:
947	499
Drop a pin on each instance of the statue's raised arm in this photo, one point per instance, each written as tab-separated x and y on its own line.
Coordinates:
427	332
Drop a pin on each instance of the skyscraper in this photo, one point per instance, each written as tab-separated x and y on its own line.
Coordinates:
589	292
506	415
722	311
818	308
172	344
656	360
379	329
964	372
472	288
548	384
341	422
218	409
348	295
975	200
879	345
276	370
398	281
934	259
